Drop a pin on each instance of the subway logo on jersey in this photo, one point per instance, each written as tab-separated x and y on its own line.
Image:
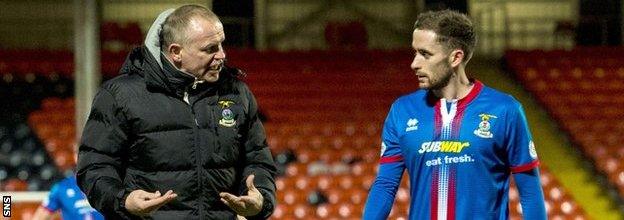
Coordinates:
443	146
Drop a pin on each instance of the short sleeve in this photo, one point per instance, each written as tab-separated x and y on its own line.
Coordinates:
53	202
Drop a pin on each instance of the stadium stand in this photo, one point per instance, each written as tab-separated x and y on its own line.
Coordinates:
324	109
25	164
579	89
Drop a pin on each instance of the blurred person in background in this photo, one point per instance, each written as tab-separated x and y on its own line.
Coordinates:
177	134
459	140
67	197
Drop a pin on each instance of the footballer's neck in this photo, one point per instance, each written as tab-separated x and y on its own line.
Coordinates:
458	86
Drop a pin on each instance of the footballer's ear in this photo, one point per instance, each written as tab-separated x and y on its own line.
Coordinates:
456	57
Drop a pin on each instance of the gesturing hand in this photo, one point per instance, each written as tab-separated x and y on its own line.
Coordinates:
248	205
140	202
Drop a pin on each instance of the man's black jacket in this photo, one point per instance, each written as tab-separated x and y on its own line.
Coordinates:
141	134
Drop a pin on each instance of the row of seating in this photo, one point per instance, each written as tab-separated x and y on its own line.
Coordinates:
24	162
579	56
295	189
583	98
61	62
325	129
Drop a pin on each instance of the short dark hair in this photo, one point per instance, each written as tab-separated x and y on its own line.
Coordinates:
175	26
454	29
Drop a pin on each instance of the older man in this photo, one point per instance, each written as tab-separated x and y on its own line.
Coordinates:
177	135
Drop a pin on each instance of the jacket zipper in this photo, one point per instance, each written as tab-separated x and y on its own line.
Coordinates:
197	147
215	130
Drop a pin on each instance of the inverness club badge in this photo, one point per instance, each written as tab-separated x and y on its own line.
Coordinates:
484	126
227	116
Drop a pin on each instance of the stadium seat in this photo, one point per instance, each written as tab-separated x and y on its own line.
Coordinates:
291	197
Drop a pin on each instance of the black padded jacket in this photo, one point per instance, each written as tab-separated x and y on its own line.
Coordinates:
142	134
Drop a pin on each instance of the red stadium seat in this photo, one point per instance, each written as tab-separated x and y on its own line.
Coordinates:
291	197
302	211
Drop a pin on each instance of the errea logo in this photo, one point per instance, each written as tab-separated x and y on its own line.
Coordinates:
412	125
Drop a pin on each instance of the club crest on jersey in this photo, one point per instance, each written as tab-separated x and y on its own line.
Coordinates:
412	125
227	118
484	126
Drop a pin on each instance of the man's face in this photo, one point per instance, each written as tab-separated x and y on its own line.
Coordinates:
431	62
203	54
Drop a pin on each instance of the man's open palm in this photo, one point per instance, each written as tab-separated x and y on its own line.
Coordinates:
140	202
248	205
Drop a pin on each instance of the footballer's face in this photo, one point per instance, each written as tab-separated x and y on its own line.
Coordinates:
431	62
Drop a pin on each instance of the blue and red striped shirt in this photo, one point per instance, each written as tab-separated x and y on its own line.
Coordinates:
459	155
67	197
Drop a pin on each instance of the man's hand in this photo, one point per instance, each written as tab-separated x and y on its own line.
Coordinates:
140	202
248	205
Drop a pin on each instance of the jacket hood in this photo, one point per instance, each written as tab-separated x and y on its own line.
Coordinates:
148	61
152	39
